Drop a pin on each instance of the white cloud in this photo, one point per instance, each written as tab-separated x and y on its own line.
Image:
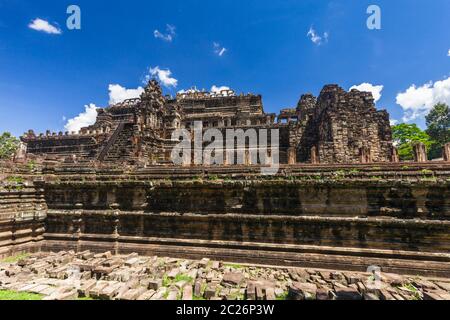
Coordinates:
316	38
418	101
44	26
168	36
118	94
448	54
218	49
84	119
192	90
394	122
164	76
216	89
368	87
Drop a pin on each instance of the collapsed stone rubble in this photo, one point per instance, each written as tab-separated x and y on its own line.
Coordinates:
70	275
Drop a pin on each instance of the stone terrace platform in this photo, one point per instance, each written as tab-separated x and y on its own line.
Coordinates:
338	217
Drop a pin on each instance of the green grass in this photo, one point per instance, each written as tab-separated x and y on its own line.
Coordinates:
195	298
22	296
283	297
167	282
413	290
234	266
183	277
16	258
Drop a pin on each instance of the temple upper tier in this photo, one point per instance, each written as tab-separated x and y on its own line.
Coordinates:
336	127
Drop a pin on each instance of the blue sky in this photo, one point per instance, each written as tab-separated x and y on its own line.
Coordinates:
46	78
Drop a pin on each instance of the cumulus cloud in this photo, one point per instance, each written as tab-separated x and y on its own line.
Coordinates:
168	36
416	102
84	119
448	54
218	49
192	90
394	122
164	76
217	89
316	38
368	87
118	94
44	26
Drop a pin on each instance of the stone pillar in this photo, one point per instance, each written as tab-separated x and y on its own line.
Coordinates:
247	158
420	152
225	158
446	152
395	157
21	153
291	156
77	223
116	236
314	155
365	155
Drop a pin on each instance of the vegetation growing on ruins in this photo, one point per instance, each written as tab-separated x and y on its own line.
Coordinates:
8	146
434	137
438	123
22	296
405	135
14	259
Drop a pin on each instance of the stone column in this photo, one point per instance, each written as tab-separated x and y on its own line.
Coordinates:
291	156
225	158
77	223
116	236
420	152
395	157
446	152
314	155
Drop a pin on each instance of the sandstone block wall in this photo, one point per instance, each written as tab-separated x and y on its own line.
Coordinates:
22	215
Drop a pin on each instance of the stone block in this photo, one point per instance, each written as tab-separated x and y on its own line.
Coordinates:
302	291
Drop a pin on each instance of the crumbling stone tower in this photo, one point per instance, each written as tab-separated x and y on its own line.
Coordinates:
343	127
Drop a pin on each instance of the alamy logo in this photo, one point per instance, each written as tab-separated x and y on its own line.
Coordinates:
374	20
74	20
227	147
375	279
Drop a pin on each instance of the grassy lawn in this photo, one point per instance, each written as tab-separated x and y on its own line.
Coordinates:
15	259
12	295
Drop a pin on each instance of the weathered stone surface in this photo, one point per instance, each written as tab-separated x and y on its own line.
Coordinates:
270	283
187	293
233	278
347	294
302	291
210	291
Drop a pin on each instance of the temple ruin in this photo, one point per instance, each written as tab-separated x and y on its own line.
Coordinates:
337	127
341	200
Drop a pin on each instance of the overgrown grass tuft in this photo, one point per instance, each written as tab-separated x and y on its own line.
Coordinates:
21	296
16	258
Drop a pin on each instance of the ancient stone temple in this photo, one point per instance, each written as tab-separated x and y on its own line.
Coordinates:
336	127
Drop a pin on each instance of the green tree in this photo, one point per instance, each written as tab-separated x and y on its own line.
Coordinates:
8	146
438	123
405	135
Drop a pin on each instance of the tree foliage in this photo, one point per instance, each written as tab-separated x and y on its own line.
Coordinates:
8	146
438	123
404	137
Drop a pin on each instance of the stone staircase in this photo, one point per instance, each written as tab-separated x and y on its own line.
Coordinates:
120	147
